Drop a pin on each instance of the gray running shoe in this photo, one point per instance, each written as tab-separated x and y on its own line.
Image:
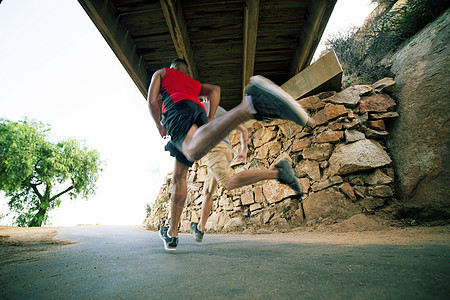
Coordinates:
170	243
270	101
198	235
287	176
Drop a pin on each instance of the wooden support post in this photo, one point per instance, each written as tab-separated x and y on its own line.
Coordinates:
251	13
323	75
116	35
311	33
180	37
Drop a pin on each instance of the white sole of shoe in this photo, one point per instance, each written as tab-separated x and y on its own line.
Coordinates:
276	91
164	241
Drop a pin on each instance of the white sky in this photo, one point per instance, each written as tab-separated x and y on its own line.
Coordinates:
56	67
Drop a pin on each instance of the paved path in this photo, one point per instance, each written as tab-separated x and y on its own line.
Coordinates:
121	262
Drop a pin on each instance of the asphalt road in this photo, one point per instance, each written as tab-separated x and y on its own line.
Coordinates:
118	262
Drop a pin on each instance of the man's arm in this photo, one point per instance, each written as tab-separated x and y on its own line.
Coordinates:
213	93
152	98
244	143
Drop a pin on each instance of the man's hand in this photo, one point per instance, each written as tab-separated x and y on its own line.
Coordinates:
242	156
162	132
244	143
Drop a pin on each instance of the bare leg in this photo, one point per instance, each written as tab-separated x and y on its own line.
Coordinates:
178	198
200	140
249	177
206	210
240	179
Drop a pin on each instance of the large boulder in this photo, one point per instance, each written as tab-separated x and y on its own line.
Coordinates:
329	204
275	191
358	156
420	138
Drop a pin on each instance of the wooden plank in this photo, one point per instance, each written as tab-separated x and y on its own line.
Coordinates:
180	37
311	33
251	13
133	8
116	35
324	74
214	12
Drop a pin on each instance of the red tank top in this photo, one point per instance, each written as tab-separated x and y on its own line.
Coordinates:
177	86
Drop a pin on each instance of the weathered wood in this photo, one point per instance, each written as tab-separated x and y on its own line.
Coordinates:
324	74
211	36
177	27
118	38
251	13
311	34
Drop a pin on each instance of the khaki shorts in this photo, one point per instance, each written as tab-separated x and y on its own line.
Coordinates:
218	163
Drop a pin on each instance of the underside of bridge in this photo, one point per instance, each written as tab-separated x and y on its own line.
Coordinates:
224	42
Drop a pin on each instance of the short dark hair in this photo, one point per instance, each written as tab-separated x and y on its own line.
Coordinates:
178	61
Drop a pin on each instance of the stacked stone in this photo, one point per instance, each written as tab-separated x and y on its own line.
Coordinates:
160	209
342	166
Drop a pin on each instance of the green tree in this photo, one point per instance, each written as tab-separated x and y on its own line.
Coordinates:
35	173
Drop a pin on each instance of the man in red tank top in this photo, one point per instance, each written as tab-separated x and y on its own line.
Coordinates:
193	133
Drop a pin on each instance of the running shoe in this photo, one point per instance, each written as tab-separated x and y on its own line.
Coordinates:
170	243
270	101
198	235
287	176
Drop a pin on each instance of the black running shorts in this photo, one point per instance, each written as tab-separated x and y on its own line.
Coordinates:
178	121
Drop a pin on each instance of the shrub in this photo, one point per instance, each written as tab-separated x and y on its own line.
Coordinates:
361	49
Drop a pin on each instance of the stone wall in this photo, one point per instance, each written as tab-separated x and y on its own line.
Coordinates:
342	165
